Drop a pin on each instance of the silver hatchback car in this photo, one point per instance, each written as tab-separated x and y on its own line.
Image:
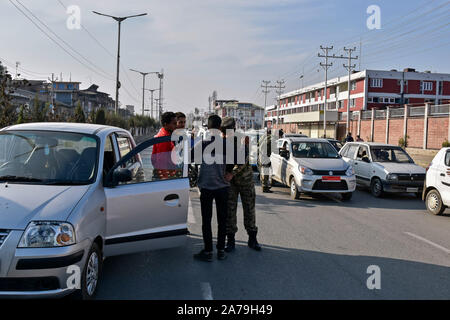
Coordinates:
74	194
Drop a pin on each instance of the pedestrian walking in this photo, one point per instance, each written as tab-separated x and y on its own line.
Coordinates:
349	137
213	182
242	185
264	152
358	139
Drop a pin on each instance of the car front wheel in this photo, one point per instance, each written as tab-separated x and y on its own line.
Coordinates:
91	274
433	202
376	188
295	194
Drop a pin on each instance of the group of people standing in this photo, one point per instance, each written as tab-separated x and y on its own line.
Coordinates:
220	181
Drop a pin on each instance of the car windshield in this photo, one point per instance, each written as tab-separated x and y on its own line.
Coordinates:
313	150
390	154
47	157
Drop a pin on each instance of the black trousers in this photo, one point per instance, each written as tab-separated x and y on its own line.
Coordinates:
206	200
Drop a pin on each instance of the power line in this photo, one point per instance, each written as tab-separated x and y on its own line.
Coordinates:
65	42
53	40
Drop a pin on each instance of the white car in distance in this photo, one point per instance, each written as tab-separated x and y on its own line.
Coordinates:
309	165
437	183
383	168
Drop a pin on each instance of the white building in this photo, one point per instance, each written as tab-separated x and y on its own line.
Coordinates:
247	115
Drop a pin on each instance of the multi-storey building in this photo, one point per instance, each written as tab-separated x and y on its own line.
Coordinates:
247	115
370	89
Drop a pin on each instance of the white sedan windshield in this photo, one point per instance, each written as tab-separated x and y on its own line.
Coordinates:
46	157
314	150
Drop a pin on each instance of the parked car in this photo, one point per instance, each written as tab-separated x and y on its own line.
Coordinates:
336	144
294	135
437	184
312	166
74	194
383	168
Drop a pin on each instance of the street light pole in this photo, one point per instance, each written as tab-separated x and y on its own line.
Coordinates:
119	20
151	108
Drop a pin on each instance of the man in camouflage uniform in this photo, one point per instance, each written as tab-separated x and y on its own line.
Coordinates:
241	184
264	151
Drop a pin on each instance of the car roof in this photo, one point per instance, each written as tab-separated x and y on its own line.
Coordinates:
374	144
86	128
300	139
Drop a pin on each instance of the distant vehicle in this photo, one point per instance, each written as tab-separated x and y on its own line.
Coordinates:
312	166
294	135
336	144
437	184
383	168
73	194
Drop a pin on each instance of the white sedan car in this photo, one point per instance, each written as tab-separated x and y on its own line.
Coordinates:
74	194
383	168
311	166
437	185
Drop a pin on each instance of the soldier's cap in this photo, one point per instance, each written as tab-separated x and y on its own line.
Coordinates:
228	123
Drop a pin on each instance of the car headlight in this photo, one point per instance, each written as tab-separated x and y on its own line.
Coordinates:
350	171
46	234
392	177
306	171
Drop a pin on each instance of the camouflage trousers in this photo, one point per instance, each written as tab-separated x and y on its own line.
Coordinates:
265	177
248	198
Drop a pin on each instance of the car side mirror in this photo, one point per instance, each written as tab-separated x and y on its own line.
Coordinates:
119	175
284	154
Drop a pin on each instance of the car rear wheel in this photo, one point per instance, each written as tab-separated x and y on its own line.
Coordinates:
376	188
433	202
295	194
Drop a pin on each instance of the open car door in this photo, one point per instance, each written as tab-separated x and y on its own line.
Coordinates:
147	197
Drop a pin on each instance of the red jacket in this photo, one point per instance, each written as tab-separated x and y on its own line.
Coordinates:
161	153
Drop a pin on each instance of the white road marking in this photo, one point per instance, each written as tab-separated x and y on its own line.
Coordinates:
429	242
206	291
191	217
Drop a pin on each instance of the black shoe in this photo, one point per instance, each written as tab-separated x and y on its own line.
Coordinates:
204	256
230	243
252	242
267	191
221	255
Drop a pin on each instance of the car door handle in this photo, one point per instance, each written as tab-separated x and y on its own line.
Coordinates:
171	197
172	200
356	163
442	175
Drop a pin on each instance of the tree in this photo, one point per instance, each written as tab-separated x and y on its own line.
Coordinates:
100	116
21	118
79	114
8	113
39	110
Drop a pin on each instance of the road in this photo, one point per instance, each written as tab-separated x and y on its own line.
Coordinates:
313	248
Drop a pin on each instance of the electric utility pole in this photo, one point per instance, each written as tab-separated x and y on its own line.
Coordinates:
265	86
280	86
151	100
160	100
325	65
350	68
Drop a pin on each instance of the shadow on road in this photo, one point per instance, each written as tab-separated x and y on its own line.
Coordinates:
273	273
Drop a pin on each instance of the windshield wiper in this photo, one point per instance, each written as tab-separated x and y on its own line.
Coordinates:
65	182
19	179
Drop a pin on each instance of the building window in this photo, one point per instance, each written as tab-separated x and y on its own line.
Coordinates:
353	84
369	99
352	103
375	99
376	83
426	86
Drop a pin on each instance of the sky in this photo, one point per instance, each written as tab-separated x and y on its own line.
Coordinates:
225	45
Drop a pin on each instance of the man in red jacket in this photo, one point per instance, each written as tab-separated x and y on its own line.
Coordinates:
163	166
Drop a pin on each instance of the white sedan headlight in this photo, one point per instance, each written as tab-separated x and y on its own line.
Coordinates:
350	171
306	171
46	234
392	177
